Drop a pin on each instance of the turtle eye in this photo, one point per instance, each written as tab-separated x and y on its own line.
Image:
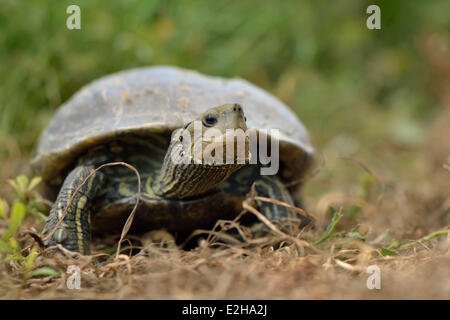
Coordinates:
209	120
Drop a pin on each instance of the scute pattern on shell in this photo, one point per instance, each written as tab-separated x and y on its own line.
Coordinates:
159	99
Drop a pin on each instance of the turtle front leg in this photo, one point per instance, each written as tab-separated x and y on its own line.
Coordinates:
74	232
271	187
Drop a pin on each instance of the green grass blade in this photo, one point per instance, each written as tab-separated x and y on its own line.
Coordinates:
337	215
17	215
45	271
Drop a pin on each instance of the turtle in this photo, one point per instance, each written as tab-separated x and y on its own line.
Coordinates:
139	117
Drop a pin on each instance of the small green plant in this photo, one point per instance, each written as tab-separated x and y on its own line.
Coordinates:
353	234
26	194
17	215
336	217
26	205
368	184
394	245
3	209
9	245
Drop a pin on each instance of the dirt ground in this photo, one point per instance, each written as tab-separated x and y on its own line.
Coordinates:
299	268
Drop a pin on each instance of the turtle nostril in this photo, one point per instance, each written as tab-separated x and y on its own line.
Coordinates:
237	107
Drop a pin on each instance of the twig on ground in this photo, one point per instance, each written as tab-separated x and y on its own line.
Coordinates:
301	243
284	204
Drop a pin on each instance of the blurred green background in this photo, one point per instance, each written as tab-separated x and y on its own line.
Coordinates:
350	86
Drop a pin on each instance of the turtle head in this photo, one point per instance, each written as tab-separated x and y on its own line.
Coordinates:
204	153
217	137
223	118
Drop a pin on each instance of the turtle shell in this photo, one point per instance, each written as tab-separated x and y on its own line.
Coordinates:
162	99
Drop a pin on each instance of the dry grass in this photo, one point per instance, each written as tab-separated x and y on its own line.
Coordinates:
245	273
407	215
299	268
